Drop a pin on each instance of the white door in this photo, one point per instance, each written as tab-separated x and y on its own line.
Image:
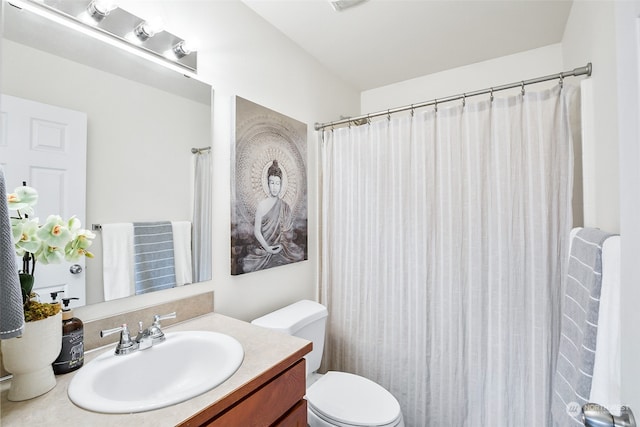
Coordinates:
46	147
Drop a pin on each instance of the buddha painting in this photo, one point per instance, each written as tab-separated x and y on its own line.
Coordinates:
269	212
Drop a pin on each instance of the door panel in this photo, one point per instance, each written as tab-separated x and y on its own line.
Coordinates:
45	146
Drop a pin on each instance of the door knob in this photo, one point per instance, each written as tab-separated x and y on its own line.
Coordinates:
75	269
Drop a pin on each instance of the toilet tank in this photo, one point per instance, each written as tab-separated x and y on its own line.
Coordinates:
304	319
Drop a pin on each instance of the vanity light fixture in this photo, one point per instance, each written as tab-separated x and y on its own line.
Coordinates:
104	20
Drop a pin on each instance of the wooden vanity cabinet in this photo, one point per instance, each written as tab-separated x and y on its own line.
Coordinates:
275	398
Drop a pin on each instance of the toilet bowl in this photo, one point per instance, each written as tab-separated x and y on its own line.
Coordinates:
335	399
347	400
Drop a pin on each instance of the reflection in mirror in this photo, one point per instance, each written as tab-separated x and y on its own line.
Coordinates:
142	121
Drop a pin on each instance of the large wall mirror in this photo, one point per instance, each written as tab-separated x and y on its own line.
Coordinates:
142	121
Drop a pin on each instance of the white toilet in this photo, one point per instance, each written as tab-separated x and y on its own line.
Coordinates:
336	398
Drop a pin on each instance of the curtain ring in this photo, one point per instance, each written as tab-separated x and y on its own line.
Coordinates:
491	97
368	119
412	110
464	100
436	105
389	115
561	82
522	88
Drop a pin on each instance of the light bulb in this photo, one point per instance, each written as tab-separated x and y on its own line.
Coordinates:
149	28
99	9
184	48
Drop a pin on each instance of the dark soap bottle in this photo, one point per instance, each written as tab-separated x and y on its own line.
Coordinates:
72	354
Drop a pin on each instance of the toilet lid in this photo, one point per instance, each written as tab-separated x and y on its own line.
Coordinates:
353	400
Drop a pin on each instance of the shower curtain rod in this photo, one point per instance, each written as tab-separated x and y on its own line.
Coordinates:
360	120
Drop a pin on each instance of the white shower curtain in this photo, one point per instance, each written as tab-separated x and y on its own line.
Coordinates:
443	246
202	217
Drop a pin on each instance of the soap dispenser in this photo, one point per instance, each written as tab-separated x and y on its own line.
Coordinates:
72	354
54	297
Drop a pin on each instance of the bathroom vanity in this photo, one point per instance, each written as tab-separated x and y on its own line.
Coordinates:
267	390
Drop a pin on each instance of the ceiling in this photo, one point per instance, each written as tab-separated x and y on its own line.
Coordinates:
380	42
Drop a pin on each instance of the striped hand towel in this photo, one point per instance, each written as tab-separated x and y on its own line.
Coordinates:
154	265
579	330
11	312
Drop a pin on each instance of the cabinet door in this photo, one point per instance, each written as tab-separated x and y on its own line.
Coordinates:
296	417
271	404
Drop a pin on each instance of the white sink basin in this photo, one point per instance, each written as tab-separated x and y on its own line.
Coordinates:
185	365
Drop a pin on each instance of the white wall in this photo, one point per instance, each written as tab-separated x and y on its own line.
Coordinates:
628	91
495	72
590	37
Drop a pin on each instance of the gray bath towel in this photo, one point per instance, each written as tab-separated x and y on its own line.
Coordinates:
154	264
579	330
11	312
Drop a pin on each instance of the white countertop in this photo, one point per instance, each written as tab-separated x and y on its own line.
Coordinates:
263	350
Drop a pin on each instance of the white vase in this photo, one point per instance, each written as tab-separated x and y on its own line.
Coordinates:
29	358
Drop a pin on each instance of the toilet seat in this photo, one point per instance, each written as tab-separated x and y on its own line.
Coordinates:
349	400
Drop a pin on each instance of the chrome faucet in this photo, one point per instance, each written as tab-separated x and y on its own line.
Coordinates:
154	332
126	344
146	337
143	338
594	415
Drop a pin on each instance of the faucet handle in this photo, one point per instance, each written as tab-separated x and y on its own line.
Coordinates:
156	333
106	332
126	344
157	318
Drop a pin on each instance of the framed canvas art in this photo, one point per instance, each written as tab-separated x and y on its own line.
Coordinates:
268	189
